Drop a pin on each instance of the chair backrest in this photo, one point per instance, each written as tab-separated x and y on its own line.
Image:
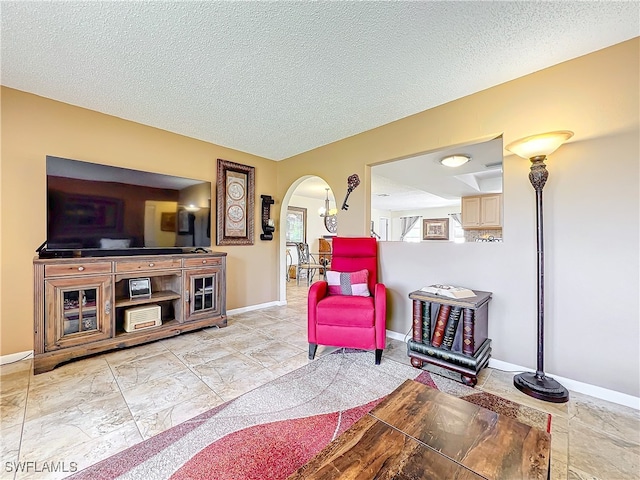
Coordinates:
303	253
351	254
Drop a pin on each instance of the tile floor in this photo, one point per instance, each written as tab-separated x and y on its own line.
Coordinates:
87	410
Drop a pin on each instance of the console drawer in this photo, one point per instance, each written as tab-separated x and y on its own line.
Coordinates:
202	262
76	269
146	265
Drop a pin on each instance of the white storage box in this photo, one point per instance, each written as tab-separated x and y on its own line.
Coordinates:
140	318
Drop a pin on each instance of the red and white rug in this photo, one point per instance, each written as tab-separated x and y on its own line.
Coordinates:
269	432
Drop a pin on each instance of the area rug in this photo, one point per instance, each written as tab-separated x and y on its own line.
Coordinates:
269	432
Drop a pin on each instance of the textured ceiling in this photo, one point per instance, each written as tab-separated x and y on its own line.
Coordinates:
279	78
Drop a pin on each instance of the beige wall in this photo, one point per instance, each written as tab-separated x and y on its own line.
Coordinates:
591	201
591	214
34	127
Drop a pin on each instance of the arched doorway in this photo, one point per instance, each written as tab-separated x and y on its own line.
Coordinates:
304	201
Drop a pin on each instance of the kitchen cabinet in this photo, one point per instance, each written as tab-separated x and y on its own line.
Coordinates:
482	211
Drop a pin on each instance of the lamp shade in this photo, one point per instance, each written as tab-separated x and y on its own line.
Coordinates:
539	145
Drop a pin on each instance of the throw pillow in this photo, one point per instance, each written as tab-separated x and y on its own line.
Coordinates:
348	283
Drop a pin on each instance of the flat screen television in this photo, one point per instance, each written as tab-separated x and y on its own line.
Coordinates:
97	210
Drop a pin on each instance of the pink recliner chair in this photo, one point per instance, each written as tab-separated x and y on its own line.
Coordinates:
349	308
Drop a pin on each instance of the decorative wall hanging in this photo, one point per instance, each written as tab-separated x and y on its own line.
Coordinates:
435	229
331	223
268	225
352	182
235	192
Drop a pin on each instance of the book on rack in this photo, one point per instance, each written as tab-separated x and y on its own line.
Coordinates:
452	326
468	327
426	323
449	291
458	358
441	323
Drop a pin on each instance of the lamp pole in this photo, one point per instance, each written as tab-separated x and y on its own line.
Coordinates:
538	385
538	177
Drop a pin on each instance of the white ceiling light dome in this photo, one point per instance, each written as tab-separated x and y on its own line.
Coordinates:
455	160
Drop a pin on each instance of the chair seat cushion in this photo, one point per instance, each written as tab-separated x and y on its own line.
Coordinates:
347	311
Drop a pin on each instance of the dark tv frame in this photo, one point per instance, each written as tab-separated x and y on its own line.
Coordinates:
100	214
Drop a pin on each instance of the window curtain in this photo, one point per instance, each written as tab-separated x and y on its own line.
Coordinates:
457	217
406	224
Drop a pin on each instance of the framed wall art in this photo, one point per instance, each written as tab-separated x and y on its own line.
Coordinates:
168	221
296	225
435	229
235	193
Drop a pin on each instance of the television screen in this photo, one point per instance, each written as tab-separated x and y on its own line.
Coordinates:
92	206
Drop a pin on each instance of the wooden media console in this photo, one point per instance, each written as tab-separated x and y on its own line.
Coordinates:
80	304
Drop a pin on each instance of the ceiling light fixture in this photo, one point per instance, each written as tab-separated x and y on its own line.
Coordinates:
326	211
455	160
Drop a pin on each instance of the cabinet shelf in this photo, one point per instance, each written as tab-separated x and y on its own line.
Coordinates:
154	297
144	332
91	309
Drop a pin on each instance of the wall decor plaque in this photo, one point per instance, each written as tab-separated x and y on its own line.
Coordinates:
235	193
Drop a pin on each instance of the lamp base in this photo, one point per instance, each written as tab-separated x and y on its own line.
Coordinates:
537	385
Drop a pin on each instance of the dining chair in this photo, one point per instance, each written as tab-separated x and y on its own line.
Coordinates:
306	263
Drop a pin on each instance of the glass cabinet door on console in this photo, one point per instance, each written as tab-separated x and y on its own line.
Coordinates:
202	293
78	311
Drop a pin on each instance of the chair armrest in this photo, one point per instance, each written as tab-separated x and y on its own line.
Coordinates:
317	292
380	303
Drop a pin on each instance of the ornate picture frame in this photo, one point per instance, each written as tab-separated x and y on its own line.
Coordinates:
435	229
296	231
235	195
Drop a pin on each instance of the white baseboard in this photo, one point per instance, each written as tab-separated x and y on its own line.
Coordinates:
396	336
574	385
16	357
259	306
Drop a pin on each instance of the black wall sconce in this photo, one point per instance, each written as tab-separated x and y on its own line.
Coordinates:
268	226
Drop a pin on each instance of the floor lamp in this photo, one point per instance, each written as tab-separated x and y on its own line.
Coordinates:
536	148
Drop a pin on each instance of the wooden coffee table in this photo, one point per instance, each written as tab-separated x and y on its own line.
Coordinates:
420	432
